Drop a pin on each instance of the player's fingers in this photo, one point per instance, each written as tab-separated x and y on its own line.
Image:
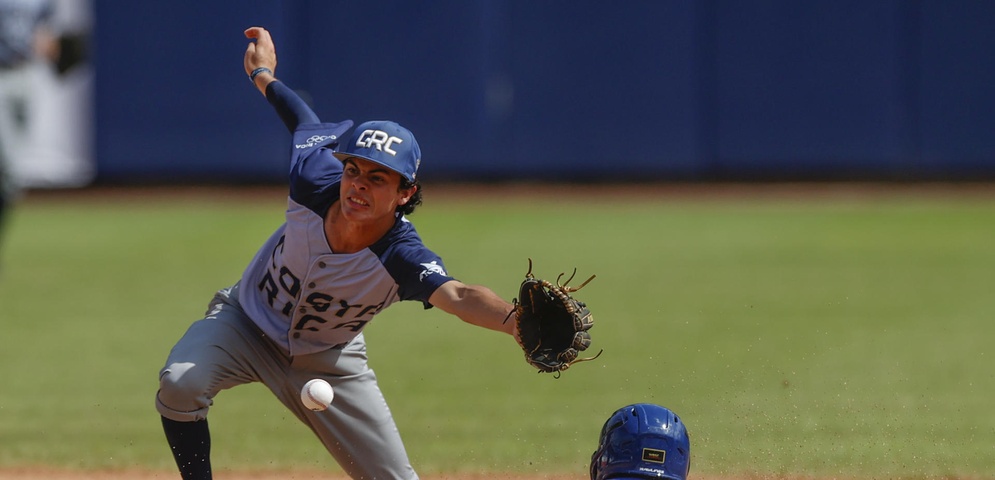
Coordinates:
252	32
262	36
247	61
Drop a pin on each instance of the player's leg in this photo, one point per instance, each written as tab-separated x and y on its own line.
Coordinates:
3	208
6	140
216	353
190	443
358	429
6	196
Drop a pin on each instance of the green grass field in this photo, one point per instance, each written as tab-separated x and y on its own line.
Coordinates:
832	337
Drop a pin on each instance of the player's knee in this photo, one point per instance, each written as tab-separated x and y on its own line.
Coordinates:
183	387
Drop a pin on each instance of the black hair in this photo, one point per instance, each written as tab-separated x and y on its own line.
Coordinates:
414	201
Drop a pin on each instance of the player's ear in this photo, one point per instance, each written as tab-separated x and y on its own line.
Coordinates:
406	194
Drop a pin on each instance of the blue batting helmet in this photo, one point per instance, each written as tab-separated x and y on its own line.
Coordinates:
642	441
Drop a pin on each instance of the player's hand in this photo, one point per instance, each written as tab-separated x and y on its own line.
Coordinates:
261	53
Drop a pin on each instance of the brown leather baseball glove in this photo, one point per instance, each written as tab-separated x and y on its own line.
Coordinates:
552	325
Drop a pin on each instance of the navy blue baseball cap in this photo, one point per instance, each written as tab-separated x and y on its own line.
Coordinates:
386	143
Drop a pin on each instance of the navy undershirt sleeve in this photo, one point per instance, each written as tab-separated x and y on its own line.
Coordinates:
289	106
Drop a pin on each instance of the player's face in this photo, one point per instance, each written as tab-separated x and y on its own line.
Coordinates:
370	191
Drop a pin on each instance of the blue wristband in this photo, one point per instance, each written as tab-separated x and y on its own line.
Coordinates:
252	76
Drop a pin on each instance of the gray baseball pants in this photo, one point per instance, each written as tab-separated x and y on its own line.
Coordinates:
225	349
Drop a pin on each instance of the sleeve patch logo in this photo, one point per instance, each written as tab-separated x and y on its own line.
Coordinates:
314	140
654	455
430	268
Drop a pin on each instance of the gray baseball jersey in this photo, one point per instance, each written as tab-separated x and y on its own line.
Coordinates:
309	298
299	310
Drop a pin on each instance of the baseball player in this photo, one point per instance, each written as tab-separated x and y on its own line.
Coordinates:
345	252
642	441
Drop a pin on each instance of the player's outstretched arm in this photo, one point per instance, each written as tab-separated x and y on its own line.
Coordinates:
476	305
260	66
260	58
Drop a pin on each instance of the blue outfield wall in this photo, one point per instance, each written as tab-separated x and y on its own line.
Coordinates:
561	89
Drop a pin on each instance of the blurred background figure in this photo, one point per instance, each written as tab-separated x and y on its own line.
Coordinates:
24	37
642	441
44	96
58	152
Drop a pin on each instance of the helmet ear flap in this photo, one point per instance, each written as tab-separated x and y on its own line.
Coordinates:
598	458
595	460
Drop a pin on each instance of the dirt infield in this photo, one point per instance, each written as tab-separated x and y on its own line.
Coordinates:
44	474
50	474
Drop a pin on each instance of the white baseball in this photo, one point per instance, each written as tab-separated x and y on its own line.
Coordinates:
317	394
